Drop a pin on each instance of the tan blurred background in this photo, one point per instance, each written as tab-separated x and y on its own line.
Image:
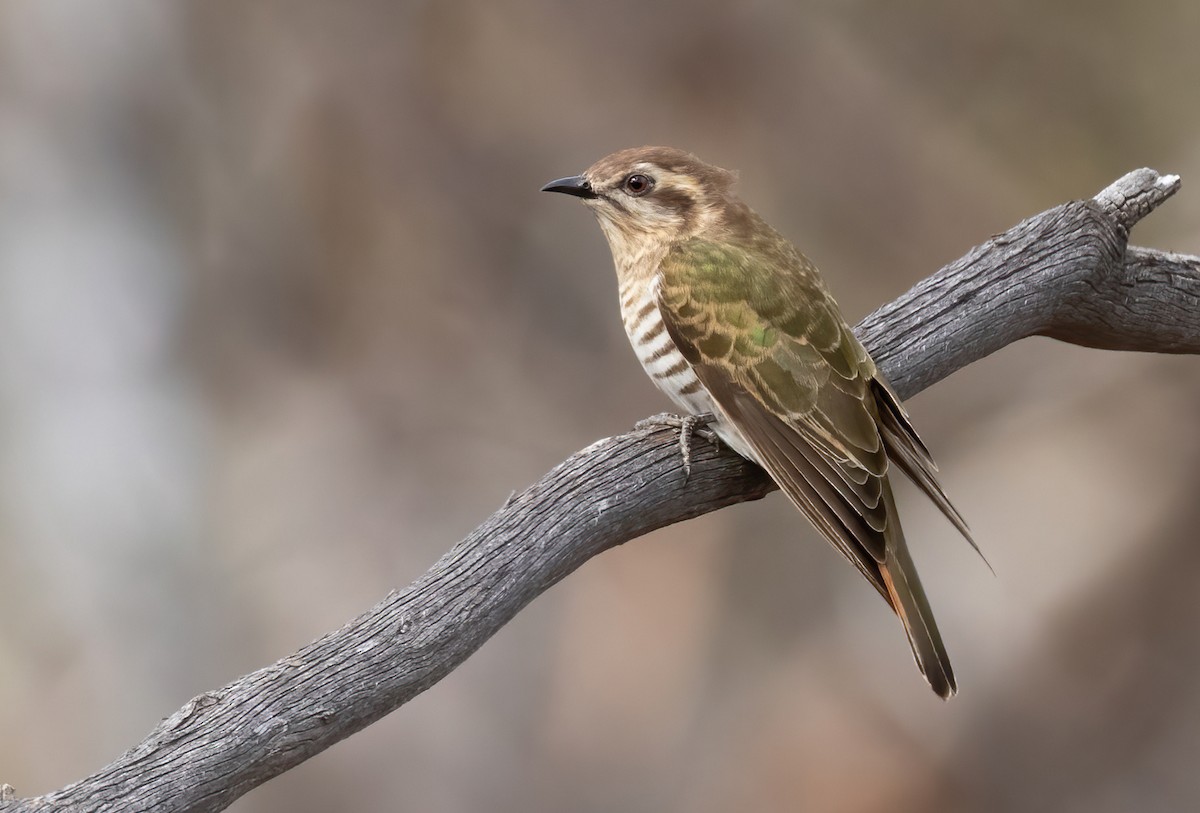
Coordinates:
283	315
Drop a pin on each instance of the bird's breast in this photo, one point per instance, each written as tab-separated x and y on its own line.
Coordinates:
665	364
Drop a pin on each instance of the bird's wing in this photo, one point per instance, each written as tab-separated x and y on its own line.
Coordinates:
767	341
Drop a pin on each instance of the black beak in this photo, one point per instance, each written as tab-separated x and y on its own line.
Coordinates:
576	185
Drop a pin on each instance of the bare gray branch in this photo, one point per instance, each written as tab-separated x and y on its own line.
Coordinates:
1064	273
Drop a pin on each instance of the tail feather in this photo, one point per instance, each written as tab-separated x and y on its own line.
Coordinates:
910	603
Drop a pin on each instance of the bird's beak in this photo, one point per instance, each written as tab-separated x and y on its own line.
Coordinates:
576	185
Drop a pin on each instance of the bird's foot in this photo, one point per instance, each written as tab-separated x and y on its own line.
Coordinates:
689	426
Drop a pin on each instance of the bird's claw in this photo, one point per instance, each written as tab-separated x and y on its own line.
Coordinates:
689	426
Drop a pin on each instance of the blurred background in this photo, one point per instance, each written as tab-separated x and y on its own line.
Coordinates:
283	315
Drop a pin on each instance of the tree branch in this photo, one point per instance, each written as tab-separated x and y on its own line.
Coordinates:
1064	273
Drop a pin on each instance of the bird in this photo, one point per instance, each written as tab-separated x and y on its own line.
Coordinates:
740	331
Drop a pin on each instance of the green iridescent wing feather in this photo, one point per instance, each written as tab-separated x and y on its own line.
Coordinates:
759	319
764	337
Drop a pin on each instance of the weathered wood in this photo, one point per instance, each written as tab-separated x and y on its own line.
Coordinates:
1064	273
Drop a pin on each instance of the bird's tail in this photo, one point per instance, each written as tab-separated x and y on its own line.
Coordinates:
909	601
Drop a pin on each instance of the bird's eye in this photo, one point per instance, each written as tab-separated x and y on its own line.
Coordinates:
638	184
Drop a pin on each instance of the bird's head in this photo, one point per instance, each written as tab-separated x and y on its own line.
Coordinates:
652	196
